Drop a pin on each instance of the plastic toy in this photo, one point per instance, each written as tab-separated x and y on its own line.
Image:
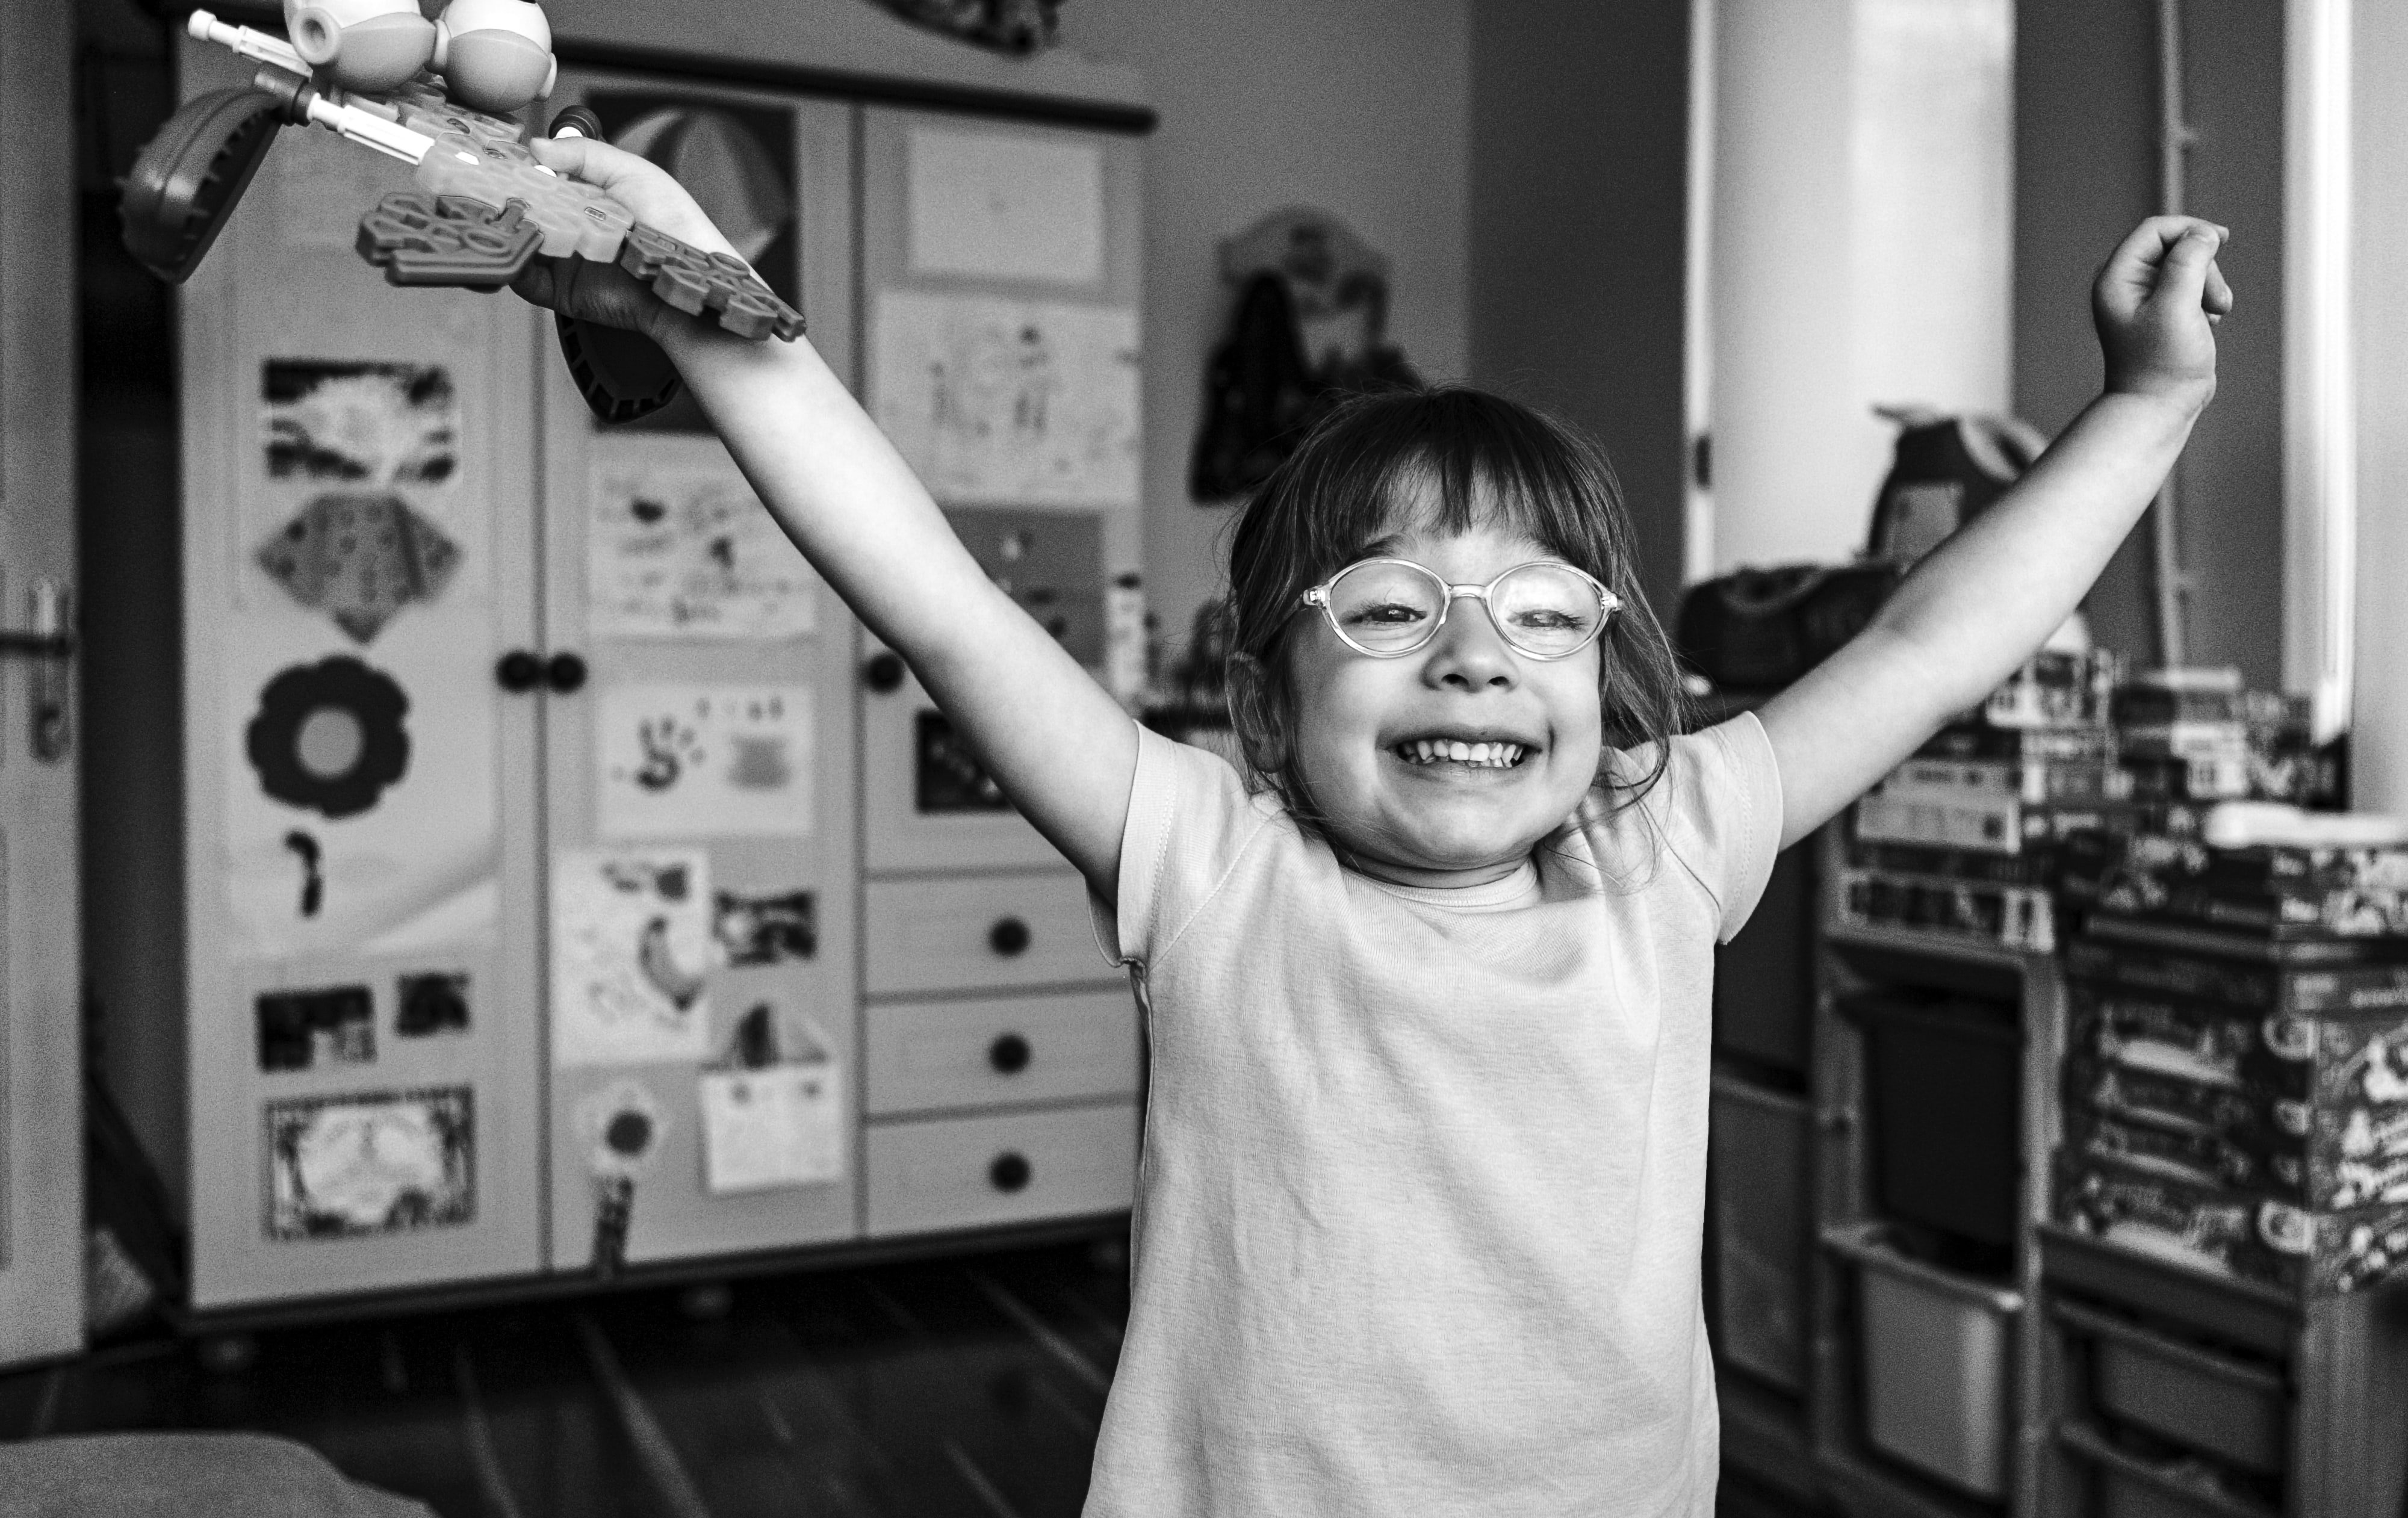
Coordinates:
495	56
483	207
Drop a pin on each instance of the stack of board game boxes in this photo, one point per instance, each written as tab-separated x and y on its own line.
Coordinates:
2236	1100
2236	1068
2187	739
1962	838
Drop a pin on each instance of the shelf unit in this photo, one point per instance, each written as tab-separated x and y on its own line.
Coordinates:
2322	1381
2313	1391
1808	1443
1861	1480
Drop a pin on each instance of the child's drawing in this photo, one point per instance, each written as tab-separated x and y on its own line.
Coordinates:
631	943
704	761
381	1163
688	553
1009	403
367	424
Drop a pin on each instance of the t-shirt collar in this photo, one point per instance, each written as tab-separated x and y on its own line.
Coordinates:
1511	890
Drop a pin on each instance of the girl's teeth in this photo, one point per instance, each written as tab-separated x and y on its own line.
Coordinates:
1436	750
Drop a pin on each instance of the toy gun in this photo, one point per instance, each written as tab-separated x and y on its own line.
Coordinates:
482	208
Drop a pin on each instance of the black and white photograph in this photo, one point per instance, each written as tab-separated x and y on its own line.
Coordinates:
1138	759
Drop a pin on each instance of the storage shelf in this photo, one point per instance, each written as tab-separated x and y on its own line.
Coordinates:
1865	1488
2242	1311
1938	945
1856	1480
2341	1362
2092	1448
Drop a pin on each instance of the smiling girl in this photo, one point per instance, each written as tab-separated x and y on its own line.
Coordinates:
1428	991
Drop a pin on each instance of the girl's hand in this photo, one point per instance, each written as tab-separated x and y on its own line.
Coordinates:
2155	305
603	293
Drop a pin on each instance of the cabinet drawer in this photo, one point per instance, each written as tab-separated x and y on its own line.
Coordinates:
967	1172
981	934
925	1056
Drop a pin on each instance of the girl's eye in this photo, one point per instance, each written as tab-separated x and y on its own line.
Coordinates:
1385	612
1544	621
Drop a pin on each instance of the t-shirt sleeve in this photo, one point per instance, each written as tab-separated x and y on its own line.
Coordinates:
1725	814
1189	820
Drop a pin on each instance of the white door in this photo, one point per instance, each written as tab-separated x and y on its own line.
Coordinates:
41	1170
1855	252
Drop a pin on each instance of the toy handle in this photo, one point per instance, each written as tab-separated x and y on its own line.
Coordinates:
622	375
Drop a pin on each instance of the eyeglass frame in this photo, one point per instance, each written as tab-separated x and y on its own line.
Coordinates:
1608	604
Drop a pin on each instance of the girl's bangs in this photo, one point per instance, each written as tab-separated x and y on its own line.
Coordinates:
1455	467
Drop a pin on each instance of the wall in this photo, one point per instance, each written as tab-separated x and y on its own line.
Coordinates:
1579	166
1359	106
2086	173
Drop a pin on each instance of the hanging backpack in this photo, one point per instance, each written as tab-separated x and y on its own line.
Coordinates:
1944	472
1757	630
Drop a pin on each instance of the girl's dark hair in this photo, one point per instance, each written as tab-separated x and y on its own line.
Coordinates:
1449	459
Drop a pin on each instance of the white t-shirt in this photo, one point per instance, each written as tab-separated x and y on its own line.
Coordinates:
1419	1211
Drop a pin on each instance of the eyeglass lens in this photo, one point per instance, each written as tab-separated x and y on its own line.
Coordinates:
1545	610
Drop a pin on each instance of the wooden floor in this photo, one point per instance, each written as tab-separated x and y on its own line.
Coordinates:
964	1387
968	1387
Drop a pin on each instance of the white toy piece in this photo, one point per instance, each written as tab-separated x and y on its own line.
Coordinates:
371	45
495	56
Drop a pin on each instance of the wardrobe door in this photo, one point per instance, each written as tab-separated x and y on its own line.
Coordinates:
359	478
699	770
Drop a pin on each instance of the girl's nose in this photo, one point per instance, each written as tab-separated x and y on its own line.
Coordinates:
1469	654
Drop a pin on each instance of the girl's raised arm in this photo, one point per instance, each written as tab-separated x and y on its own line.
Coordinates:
1061	749
1981	602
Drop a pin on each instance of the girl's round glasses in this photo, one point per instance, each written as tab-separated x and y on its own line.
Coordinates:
1390	608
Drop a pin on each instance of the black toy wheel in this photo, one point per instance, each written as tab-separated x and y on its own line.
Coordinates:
188	179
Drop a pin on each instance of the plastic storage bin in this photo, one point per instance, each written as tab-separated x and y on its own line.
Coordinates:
1760	1148
2116	1483
1938	1360
2231	1409
1945	1094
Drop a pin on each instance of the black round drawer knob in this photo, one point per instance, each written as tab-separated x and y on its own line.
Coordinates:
1010	1171
565	674
519	671
1009	937
1009	1054
883	673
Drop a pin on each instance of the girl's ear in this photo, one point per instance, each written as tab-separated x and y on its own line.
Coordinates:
1256	712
